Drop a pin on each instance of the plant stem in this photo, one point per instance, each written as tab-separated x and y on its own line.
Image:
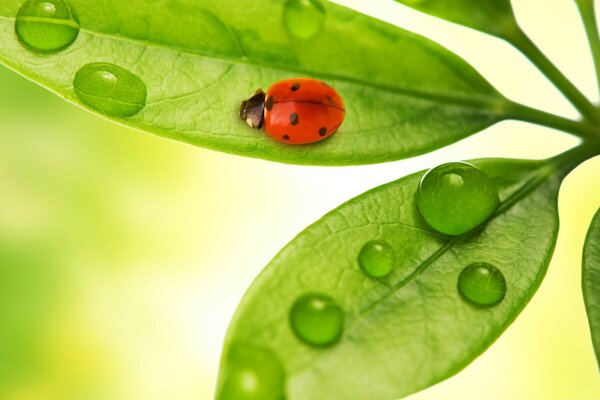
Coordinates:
570	159
524	113
521	41
588	16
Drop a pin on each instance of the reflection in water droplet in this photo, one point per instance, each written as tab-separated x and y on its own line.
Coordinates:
110	89
453	180
482	284
304	18
317	320
376	258
47	25
457	197
252	373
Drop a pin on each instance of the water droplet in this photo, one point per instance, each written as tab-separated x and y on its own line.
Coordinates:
304	18
317	320
376	258
457	197
110	89
482	284
47	25
252	373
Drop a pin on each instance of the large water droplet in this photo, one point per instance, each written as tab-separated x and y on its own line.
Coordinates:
47	25
376	258
110	89
252	373
457	197
304	18
482	284
317	320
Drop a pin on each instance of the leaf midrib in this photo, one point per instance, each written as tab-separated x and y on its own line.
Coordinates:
52	21
559	165
539	177
523	191
555	166
496	105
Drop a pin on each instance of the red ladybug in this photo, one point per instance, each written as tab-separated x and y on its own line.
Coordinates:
295	111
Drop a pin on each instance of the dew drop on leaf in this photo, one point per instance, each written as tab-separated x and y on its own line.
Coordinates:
317	320
252	373
376	258
110	89
455	198
47	25
304	18
482	284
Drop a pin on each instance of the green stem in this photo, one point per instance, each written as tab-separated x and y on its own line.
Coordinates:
524	113
570	159
588	16
521	41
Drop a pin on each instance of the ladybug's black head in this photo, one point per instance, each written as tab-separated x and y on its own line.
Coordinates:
252	110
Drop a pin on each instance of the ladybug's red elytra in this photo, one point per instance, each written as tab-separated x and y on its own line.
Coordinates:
295	111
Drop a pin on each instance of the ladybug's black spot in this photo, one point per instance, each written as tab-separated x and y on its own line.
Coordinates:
294	119
295	86
286	137
332	102
269	103
323	131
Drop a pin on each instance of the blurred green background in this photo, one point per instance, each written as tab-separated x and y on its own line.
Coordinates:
123	256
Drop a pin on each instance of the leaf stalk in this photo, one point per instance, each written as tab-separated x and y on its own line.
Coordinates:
587	11
525	45
583	129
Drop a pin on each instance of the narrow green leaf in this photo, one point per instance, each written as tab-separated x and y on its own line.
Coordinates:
411	329
405	95
591	281
495	17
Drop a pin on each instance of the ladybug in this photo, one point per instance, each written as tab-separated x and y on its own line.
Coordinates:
295	111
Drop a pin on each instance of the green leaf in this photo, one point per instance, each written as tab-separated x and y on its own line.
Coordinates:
411	329
405	95
591	281
495	17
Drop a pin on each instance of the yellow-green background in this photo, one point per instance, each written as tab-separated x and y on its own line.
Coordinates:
123	256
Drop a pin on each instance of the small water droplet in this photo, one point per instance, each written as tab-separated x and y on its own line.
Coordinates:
482	284
317	320
47	25
376	258
252	373
457	197
304	18
110	89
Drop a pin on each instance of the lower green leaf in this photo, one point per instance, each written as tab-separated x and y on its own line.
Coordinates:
402	331
591	281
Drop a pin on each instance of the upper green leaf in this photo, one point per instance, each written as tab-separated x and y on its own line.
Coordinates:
199	59
495	17
591	281
412	328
